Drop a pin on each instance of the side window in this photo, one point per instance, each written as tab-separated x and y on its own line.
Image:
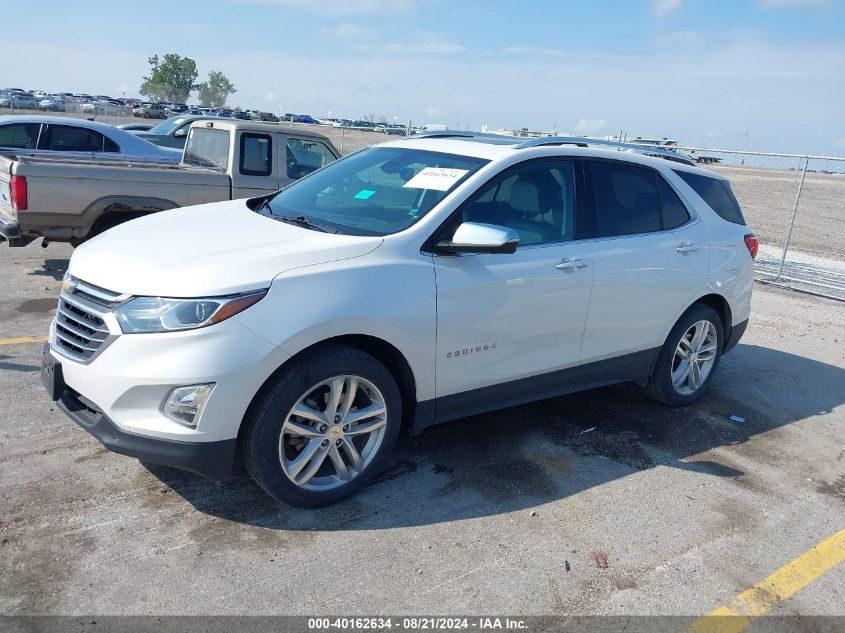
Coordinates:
256	154
673	210
536	199
109	145
305	156
19	135
716	193
66	138
626	199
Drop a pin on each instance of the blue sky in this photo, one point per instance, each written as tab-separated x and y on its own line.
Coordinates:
703	71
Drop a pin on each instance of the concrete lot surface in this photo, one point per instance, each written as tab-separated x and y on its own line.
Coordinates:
504	513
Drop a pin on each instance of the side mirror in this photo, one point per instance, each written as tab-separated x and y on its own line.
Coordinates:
473	237
182	131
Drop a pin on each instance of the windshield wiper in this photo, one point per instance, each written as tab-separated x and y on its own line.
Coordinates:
301	220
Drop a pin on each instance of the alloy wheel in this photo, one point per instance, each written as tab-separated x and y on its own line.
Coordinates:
332	433
694	357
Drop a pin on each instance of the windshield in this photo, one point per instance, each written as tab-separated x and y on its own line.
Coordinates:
168	125
378	191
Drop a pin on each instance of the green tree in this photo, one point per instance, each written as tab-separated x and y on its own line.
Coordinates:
172	79
213	93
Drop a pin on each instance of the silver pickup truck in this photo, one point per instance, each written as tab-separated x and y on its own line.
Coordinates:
71	200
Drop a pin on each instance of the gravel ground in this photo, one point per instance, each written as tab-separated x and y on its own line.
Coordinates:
502	513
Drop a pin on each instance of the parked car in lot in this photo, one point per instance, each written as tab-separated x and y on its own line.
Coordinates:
18	100
102	107
411	283
150	111
53	104
73	199
34	135
172	132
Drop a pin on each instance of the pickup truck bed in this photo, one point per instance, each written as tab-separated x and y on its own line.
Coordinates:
68	199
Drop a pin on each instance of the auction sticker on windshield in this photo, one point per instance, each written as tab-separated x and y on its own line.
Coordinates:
437	178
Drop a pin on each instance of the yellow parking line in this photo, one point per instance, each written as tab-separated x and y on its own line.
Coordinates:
22	339
782	584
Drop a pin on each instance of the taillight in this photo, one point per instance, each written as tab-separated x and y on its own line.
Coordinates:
17	188
753	244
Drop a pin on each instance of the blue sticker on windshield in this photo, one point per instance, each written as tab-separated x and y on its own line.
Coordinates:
364	194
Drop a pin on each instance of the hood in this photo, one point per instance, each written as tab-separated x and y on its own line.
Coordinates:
206	250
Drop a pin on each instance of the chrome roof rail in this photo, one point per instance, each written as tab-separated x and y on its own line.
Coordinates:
444	134
580	141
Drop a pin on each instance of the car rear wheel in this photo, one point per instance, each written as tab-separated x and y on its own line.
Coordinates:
689	358
323	429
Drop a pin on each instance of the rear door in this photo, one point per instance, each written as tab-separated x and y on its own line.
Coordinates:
73	141
651	258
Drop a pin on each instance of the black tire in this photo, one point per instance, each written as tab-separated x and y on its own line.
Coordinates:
261	437
659	385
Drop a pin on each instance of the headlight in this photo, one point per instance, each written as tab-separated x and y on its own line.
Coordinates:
157	314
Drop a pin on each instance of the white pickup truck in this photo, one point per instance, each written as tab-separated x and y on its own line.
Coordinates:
71	200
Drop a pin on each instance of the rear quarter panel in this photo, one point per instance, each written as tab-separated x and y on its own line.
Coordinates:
731	267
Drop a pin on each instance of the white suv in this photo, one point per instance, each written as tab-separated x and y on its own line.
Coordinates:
408	284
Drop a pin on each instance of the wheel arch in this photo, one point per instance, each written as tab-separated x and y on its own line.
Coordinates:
712	300
383	351
722	308
103	210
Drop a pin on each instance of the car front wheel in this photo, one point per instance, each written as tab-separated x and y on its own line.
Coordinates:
323	428
689	358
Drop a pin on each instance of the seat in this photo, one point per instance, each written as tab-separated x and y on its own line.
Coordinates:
528	214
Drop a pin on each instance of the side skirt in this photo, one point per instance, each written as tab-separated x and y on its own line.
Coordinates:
635	366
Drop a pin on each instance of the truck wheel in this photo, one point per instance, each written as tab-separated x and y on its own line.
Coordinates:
323	428
689	358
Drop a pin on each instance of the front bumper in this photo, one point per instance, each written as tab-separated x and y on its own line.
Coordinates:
117	394
210	459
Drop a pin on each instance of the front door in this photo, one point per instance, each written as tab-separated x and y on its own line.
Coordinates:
254	173
509	326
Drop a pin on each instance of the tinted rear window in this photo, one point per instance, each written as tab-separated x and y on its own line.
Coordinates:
626	199
716	193
674	212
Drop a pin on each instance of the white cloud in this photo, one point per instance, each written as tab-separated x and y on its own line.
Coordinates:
271	96
349	32
532	50
590	126
788	95
665	7
794	4
414	49
345	7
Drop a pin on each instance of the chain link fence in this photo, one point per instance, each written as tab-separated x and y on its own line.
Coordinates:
795	204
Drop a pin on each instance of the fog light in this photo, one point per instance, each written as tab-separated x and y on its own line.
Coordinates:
184	404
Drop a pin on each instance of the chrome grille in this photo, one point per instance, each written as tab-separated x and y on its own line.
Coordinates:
80	329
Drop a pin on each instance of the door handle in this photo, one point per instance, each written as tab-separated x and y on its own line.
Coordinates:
687	247
571	265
